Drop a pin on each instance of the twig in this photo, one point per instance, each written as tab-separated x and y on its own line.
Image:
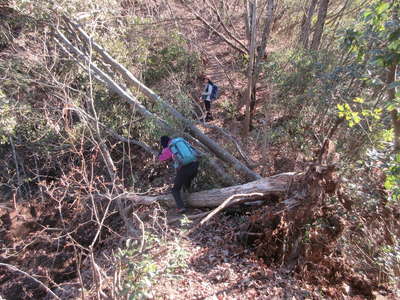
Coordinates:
190	217
30	276
4	206
142	229
226	203
214	30
327	139
238	147
78	259
225	28
16	165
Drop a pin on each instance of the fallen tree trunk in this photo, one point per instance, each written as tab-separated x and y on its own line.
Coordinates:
212	198
129	98
131	79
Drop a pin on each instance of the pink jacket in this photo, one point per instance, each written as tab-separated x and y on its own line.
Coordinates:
166	154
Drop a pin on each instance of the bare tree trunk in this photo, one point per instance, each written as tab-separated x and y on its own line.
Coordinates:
319	26
264	38
306	25
212	145
212	198
252	47
261	53
391	77
247	20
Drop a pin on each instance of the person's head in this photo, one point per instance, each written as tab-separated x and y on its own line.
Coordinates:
206	80
164	140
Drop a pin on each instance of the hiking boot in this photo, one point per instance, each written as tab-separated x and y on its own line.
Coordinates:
181	210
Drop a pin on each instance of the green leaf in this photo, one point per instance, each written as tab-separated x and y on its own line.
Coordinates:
365	113
358	100
379	61
391	107
395	45
367	13
356	118
382	7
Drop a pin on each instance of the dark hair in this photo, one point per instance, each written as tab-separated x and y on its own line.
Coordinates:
209	80
164	141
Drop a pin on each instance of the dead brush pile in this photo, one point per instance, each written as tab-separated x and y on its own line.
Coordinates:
325	240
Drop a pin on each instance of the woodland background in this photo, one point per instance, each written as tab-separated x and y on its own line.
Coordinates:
308	87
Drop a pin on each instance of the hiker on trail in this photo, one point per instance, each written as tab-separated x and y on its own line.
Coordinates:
207	97
186	163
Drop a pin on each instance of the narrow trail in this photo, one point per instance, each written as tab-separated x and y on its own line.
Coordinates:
214	66
216	60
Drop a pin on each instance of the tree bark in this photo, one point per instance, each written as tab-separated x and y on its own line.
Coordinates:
196	132
252	47
212	198
319	26
247	19
306	25
269	20
391	78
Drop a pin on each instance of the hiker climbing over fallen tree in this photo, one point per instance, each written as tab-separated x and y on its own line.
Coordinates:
186	163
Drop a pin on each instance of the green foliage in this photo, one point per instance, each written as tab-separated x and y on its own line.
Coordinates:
312	88
170	57
229	107
141	269
373	238
388	258
377	45
382	29
346	112
184	105
8	121
392	182
377	42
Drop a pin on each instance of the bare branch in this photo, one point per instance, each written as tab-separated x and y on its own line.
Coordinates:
229	42
215	10
228	202
30	276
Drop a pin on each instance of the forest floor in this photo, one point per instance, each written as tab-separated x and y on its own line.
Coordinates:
221	266
213	261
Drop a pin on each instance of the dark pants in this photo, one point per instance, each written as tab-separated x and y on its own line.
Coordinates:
207	104
184	177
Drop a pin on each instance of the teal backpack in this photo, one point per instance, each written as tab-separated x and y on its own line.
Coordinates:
183	152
